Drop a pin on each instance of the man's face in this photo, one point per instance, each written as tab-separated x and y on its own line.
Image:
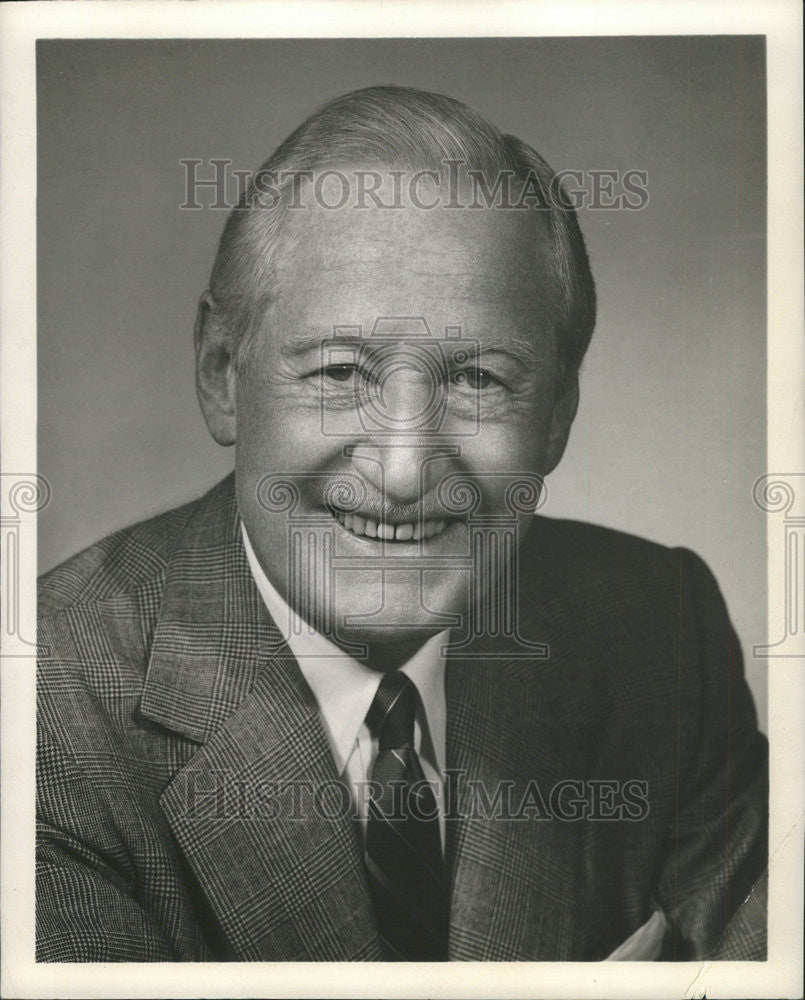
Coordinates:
405	352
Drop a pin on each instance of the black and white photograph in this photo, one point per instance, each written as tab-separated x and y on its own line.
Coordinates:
417	559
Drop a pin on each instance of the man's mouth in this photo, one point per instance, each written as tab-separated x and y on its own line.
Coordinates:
409	531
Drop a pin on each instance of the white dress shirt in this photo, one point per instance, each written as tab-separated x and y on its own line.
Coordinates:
345	688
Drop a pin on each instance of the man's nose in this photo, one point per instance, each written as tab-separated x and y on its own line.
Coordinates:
402	436
397	469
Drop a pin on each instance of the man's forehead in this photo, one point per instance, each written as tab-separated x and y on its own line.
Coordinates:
412	257
435	216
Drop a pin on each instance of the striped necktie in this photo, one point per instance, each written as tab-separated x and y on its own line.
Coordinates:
403	847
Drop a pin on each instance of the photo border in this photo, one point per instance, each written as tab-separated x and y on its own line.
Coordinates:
20	25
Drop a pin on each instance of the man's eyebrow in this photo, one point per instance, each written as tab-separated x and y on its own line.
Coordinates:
300	346
519	349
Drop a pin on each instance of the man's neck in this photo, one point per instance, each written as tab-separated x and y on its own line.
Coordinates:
381	656
387	656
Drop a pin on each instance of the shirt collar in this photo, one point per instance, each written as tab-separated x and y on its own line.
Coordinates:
343	687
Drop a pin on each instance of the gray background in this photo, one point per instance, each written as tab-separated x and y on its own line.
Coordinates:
671	431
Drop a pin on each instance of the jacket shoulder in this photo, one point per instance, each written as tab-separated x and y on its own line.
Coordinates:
583	554
119	564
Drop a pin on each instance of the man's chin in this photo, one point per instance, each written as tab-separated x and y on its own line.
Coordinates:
379	613
379	631
384	647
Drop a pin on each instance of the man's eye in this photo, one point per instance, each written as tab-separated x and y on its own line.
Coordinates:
474	378
340	373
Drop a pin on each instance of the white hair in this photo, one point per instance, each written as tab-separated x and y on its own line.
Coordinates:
401	128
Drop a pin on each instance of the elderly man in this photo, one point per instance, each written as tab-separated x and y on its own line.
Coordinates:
358	702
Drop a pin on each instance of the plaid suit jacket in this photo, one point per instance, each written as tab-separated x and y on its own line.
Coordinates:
174	724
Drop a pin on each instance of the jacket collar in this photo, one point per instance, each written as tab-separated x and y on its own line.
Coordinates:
517	868
212	631
280	867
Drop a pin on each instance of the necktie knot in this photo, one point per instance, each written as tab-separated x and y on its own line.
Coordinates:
391	715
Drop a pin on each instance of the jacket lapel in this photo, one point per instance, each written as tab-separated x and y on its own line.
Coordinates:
258	811
271	842
516	867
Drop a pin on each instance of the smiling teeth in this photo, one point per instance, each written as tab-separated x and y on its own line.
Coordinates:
390	532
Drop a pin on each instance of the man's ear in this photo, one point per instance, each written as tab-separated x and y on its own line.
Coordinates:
215	372
564	410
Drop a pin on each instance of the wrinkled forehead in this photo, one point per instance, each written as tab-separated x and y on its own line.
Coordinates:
411	248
